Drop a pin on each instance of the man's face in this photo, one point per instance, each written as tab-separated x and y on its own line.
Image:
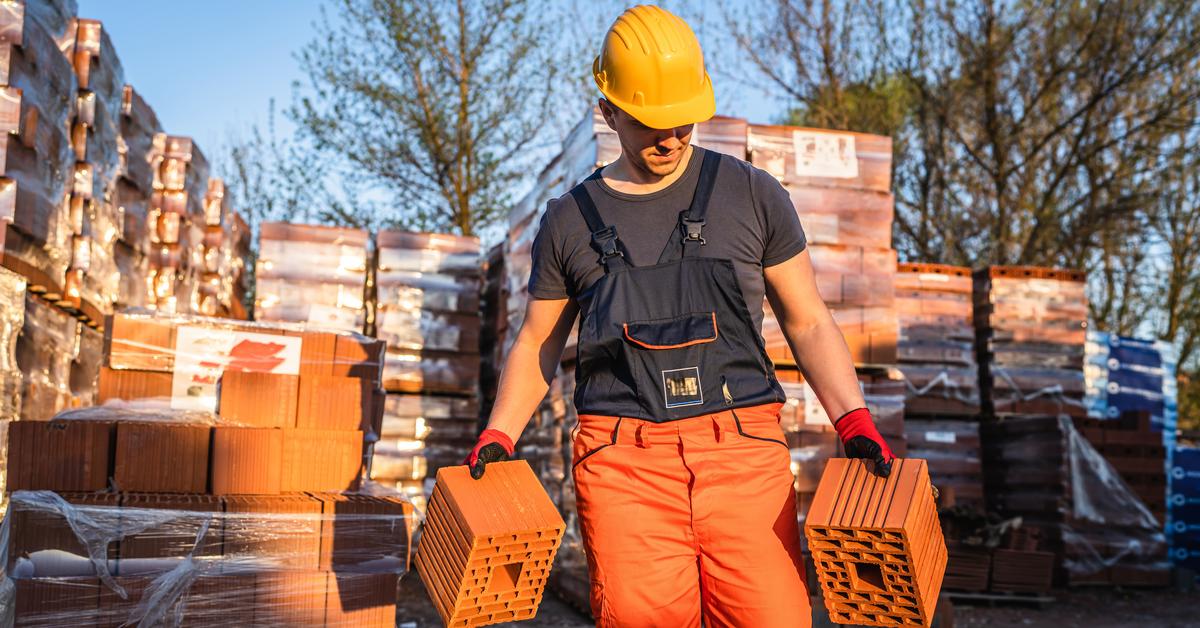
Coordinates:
655	151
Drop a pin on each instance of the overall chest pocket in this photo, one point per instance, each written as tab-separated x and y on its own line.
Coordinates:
676	361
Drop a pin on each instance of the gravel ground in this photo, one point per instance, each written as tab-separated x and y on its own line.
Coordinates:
1083	608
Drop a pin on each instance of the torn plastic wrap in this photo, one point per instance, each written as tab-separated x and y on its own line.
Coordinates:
1109	527
12	320
142	559
941	390
46	347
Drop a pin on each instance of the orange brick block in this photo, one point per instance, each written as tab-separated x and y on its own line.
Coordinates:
877	544
488	545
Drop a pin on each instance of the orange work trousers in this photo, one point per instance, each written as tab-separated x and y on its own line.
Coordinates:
690	519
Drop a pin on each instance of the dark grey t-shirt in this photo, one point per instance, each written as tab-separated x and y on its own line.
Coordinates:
750	220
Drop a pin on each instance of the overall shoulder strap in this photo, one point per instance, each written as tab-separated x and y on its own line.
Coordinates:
691	220
604	237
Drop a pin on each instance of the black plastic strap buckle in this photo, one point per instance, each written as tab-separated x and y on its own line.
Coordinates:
606	240
692	230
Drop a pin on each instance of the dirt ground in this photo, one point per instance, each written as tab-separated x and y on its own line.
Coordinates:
1083	608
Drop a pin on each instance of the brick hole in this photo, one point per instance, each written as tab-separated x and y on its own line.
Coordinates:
866	576
504	577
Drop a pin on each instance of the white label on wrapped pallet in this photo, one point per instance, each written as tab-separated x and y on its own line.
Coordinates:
933	277
203	353
941	437
829	155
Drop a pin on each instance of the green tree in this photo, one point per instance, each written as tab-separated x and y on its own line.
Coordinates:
434	107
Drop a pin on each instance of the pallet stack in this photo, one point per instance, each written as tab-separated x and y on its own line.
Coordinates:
222	256
492	306
428	313
176	223
12	319
937	356
840	184
40	103
201	528
1132	446
134	190
1030	327
312	274
1183	508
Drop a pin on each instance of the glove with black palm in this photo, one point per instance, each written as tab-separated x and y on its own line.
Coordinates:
861	439
493	446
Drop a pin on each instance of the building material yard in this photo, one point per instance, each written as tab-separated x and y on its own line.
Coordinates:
721	313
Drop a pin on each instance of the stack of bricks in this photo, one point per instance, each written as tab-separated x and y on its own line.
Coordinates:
222	256
1132	446
12	319
1030	327
134	190
300	558
488	545
176	223
493	298
937	356
261	497
427	310
312	274
307	400
1183	508
41	91
877	544
840	184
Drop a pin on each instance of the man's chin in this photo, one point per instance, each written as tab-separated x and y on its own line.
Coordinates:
661	168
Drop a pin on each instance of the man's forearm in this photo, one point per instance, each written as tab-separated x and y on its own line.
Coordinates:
824	359
524	381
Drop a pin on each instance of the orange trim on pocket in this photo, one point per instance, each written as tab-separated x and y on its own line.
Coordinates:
716	334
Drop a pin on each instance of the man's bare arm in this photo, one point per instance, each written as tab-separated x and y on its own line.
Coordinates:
813	335
532	363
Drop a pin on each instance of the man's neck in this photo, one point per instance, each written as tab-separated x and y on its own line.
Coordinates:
622	176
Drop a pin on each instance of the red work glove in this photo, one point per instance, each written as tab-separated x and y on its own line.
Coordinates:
862	440
493	446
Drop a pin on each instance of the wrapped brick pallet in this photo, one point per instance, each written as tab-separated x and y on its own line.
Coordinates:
427	310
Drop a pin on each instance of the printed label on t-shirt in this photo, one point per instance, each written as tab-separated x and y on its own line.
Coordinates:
829	155
681	387
202	354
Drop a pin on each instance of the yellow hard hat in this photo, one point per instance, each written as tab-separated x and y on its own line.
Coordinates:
651	67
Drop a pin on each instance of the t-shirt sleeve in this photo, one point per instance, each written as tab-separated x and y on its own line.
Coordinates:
784	237
547	279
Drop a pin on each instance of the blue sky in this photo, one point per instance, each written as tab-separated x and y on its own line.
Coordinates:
210	67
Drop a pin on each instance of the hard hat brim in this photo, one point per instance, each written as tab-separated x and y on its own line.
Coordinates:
699	108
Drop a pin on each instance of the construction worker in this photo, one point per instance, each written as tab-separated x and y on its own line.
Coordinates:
682	473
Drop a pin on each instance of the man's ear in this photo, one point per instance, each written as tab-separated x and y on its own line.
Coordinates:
609	112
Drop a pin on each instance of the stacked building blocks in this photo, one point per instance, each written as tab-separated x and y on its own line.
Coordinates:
877	544
488	544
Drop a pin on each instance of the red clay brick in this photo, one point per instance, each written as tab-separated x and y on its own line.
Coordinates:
334	403
357	529
481	555
246	461
60	455
162	458
281	531
33	529
126	385
258	399
57	601
291	598
361	599
877	543
321	460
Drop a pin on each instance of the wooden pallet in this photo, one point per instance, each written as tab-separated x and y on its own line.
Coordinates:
995	598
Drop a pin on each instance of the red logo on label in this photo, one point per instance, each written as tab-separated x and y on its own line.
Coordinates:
248	355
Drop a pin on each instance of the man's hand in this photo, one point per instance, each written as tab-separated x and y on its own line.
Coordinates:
493	446
862	440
